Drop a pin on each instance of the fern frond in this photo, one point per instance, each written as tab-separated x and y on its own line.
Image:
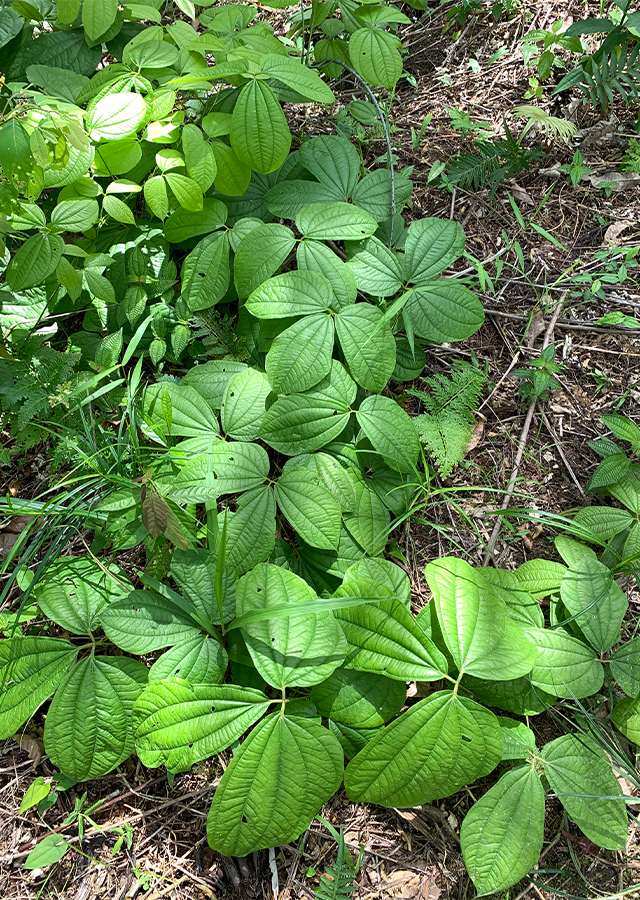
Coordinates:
340	885
471	170
446	426
551	125
618	72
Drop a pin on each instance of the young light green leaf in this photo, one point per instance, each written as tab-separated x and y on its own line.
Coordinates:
623	428
368	345
190	415
30	670
274	785
300	356
49	850
36	792
442	743
116	116
391	432
75	590
244	404
88	727
502	834
580	774
565	667
177	724
75	215
335	222
592	597
118	210
309	506
260	135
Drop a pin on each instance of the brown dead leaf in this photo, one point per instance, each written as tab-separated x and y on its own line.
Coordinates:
476	435
17	524
30	745
617	181
535	328
429	890
410	885
401	883
612	232
7	540
520	194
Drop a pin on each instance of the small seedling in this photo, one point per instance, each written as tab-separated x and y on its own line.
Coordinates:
538	381
576	170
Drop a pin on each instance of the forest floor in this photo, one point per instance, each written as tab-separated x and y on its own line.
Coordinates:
416	853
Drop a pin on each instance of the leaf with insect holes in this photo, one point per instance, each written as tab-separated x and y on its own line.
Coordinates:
442	743
278	779
177	724
374	55
228	468
384	637
309	506
298	650
502	834
75	590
